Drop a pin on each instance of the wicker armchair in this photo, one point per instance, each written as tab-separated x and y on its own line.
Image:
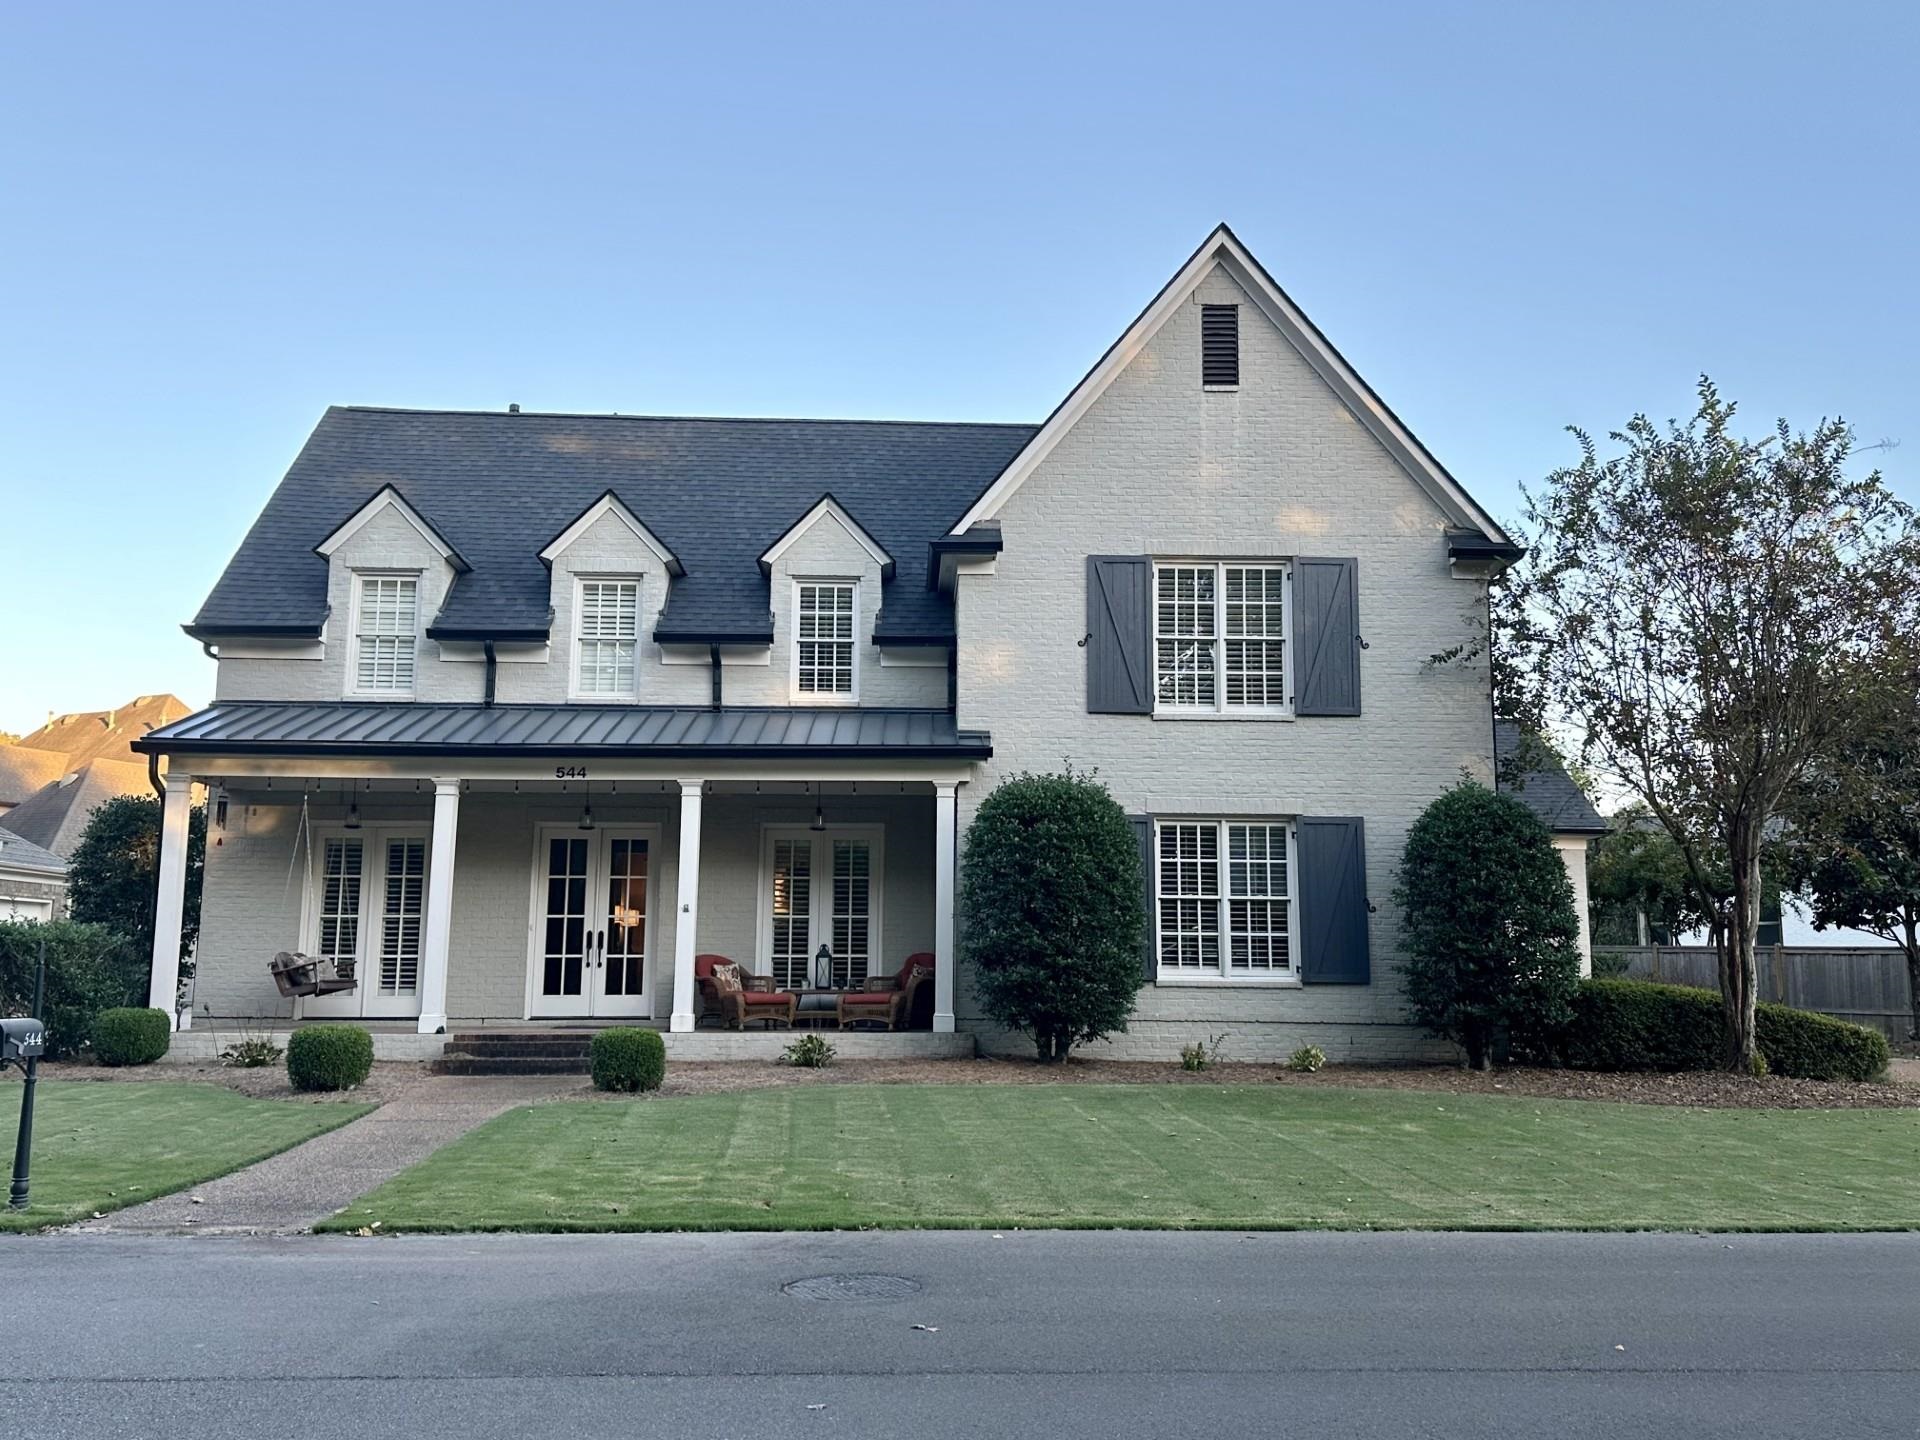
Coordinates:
887	1000
736	998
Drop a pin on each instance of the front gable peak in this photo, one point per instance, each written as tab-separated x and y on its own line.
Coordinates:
389	498
1222	250
611	504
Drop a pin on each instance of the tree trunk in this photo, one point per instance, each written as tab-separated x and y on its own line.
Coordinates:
1738	975
1479	1050
1913	975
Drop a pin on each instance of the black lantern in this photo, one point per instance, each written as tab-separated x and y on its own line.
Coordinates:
823	969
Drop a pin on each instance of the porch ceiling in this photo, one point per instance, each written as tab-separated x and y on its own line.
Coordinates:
634	732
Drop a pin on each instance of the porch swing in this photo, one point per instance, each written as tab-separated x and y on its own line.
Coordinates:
294	974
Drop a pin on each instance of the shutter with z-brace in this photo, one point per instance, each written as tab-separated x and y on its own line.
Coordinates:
1119	635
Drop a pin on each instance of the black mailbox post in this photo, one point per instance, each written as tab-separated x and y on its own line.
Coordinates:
21	1043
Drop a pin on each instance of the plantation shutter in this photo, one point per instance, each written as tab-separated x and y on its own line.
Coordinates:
1143	833
1326	627
1119	635
1332	900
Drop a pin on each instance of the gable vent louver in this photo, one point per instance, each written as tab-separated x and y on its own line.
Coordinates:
1220	345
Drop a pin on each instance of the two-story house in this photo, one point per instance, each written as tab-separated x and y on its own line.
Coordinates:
523	713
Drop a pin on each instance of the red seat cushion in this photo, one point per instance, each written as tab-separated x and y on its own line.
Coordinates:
766	997
878	998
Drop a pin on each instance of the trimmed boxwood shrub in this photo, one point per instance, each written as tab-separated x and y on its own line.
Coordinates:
130	1036
628	1058
1639	1025
329	1057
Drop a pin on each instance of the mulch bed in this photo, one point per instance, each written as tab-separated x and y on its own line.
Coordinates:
1699	1089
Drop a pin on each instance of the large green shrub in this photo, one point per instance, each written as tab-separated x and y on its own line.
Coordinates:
1053	902
1491	933
628	1058
89	969
329	1057
110	876
130	1036
1639	1025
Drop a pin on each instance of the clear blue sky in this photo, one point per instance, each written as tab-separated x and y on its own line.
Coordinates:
215	221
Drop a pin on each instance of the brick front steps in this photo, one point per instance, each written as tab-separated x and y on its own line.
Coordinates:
515	1052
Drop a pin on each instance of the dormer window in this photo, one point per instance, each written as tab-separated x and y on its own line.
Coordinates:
607	639
824	665
386	629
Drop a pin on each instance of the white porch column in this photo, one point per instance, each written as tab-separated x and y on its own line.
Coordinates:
437	937
944	960
1573	855
686	918
170	902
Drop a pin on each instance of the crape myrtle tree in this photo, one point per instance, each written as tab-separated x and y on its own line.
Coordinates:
1853	842
1052	906
1488	921
1714	619
110	876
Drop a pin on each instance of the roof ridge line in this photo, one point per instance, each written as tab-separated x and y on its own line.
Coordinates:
699	419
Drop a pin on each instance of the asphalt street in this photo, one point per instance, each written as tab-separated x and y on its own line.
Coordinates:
1043	1333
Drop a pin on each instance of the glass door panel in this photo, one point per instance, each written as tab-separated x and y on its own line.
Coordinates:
620	961
562	939
394	987
792	913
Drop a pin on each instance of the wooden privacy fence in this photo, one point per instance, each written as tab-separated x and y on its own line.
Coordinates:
1864	984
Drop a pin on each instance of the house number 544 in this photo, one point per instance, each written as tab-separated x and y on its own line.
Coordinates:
569	772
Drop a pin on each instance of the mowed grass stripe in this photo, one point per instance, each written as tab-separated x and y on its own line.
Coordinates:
103	1145
1157	1156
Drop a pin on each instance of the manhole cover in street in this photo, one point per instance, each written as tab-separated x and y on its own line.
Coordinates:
852	1287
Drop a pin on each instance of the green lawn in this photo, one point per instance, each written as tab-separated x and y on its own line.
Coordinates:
98	1146
1234	1157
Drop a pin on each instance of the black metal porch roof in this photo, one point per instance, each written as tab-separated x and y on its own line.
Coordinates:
254	727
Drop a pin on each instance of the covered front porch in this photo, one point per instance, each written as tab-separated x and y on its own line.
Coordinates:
482	887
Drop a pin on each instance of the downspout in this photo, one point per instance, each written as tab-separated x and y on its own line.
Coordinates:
953	674
160	793
713	653
486	648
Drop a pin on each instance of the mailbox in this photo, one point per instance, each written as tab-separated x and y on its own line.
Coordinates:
24	1039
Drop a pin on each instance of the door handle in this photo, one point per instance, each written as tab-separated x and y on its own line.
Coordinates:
600	944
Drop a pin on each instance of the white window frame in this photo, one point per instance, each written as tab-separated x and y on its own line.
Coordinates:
580	583
1223	973
360	577
820	697
821	900
1220	709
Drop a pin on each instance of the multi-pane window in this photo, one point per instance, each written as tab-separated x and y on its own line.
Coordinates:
1223	899
388	620
824	615
608	636
340	872
1220	637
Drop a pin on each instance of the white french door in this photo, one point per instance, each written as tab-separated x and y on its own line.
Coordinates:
820	887
591	934
367	904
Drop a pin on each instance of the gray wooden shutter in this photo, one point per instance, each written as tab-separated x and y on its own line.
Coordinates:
1326	637
1119	635
1143	833
1331	876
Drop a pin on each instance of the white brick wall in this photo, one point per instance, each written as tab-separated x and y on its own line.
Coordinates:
1278	468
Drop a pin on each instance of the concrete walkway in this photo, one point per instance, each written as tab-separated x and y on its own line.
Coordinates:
288	1192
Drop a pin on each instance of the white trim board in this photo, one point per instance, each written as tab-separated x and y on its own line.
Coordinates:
611	504
390	499
827	505
1223	249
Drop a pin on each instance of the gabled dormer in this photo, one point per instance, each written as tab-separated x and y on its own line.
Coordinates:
610	576
388	573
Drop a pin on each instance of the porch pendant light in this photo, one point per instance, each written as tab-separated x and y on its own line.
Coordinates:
352	821
586	811
819	815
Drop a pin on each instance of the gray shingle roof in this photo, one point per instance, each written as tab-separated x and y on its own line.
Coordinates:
56	816
499	487
637	732
17	853
1547	790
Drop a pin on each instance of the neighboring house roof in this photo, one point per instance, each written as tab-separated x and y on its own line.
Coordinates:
23	856
56	817
1547	789
254	727
103	734
1223	248
23	771
499	486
